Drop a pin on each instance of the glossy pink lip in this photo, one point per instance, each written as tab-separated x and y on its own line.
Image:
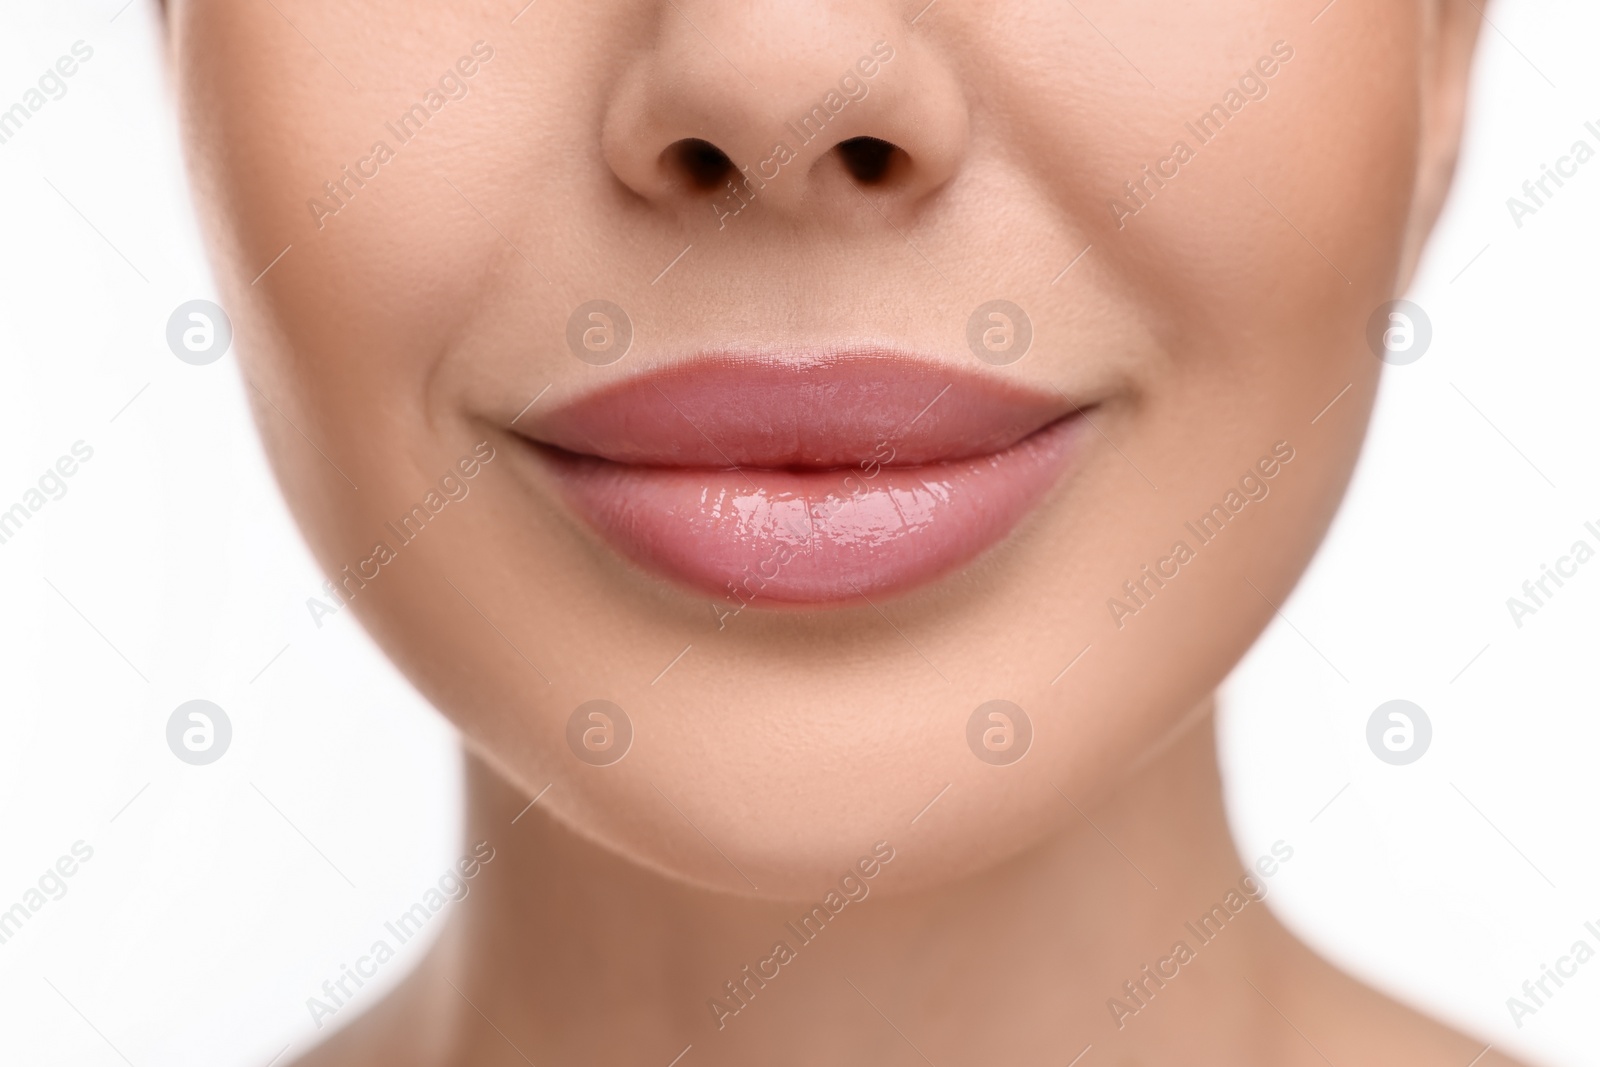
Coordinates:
809	480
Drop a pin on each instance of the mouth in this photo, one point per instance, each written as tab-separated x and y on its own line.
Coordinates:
805	481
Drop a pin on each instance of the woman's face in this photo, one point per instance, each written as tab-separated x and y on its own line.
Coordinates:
650	353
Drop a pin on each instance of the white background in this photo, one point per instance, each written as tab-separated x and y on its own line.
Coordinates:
219	898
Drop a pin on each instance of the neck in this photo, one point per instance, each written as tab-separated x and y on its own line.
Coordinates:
563	952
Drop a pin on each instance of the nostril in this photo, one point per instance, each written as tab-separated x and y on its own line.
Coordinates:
701	163
868	159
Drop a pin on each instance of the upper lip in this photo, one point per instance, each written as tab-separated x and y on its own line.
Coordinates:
807	411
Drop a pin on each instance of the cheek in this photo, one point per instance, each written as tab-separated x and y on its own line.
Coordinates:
375	257
1283	223
349	269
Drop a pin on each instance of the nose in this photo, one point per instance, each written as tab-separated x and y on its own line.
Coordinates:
791	104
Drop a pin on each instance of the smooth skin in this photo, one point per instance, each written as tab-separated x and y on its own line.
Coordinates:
417	320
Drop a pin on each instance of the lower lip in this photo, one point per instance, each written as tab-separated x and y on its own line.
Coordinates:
812	537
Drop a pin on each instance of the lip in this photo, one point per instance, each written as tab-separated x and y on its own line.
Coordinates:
805	480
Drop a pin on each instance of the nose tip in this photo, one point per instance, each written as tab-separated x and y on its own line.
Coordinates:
869	114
